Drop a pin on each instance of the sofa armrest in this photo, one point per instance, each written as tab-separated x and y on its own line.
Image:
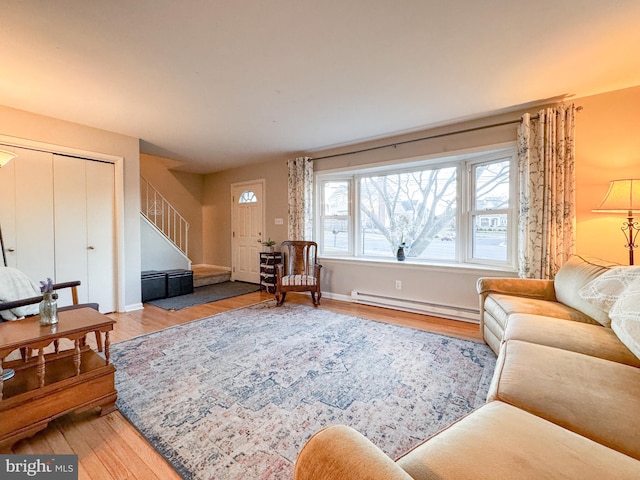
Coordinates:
520	287
341	453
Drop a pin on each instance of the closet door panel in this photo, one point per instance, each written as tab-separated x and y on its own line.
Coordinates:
70	200
34	250
100	178
8	210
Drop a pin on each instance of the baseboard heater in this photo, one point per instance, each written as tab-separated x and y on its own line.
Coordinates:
417	306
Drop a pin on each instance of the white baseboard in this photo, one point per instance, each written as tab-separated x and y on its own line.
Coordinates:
132	307
414	306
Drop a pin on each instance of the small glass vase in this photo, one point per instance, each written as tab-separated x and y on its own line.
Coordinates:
400	254
48	309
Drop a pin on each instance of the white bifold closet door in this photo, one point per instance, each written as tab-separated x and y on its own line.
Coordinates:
83	193
27	213
58	220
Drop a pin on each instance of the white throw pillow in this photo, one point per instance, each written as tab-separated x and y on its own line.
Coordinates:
15	285
625	317
604	291
575	274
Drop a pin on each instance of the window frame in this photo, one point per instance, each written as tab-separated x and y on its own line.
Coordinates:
465	163
470	211
351	222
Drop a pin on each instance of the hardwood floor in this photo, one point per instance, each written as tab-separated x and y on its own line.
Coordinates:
110	448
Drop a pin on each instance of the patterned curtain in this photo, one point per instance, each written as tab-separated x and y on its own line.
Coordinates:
546	158
300	199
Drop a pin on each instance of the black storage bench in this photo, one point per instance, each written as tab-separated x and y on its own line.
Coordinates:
154	285
179	282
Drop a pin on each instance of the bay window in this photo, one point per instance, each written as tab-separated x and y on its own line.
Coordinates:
456	209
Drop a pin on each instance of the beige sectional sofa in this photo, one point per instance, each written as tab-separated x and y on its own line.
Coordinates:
565	397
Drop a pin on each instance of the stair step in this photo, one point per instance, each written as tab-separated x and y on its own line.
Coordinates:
209	275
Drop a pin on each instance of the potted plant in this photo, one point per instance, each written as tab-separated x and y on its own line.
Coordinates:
400	253
269	244
48	306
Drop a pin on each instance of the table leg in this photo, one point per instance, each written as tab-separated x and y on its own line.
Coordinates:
1	381
107	344
41	368
76	356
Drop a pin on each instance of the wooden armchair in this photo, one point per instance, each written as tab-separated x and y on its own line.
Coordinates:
19	291
300	270
15	307
13	304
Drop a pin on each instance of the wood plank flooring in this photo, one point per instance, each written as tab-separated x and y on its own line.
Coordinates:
110	448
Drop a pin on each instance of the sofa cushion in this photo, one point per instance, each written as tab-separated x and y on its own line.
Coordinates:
501	306
593	340
596	398
492	332
499	441
575	274
625	318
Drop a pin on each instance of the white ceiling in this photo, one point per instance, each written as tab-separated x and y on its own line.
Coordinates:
221	83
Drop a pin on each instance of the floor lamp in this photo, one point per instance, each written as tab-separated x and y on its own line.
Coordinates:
4	255
624	197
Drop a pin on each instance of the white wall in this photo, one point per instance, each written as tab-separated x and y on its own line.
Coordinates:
157	252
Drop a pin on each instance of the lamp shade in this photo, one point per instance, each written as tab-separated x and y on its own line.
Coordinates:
623	197
5	157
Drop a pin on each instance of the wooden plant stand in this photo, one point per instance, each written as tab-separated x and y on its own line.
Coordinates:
47	386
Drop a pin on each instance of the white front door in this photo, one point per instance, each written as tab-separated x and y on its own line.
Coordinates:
247	225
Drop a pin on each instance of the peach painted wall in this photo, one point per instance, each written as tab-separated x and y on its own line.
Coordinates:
607	148
183	190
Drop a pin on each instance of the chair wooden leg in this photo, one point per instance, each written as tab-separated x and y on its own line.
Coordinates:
315	296
280	296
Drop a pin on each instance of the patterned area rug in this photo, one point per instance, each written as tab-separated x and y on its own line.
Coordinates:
236	395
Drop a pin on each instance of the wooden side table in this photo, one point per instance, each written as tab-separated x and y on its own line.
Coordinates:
46	386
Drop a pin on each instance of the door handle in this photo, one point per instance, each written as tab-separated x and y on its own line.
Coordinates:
90	247
11	250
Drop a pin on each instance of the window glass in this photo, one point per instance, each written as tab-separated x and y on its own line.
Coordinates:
416	208
492	185
490	222
336	218
247	197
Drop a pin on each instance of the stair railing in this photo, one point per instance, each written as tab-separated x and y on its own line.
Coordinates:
164	216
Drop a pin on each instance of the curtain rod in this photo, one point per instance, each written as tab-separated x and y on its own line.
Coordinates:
430	137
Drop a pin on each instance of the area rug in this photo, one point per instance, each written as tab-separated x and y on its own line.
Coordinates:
206	294
236	395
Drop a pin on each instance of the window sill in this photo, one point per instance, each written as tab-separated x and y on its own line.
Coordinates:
475	268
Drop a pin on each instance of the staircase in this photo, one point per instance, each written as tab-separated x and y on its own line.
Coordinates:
175	229
164	216
209	275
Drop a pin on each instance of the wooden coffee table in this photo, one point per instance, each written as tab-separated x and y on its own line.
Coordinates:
48	385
